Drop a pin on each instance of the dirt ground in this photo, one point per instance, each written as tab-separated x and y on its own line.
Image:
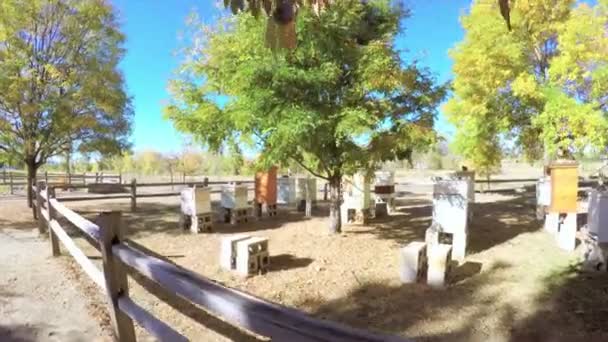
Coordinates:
41	298
516	284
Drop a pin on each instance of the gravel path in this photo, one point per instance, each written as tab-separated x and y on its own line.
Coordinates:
39	300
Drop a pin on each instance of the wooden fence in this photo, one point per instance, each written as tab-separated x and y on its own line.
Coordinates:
130	191
240	309
18	179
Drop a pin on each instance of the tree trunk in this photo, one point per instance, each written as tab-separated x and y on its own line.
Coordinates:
335	221
31	179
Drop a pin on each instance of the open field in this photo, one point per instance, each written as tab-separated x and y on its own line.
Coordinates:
515	285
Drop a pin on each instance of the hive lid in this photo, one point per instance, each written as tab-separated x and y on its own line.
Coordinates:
563	164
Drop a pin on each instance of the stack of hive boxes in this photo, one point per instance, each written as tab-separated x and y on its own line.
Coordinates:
234	203
356	206
196	214
245	254
266	193
306	193
286	190
451	214
563	208
384	190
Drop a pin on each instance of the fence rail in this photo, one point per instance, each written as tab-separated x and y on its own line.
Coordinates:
240	309
18	179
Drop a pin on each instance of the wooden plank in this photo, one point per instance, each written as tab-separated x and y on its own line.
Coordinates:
87	265
88	227
157	328
92	198
115	275
241	309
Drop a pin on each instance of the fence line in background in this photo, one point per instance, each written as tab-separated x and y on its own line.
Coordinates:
239	309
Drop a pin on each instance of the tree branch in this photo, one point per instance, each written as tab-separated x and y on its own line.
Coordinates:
309	170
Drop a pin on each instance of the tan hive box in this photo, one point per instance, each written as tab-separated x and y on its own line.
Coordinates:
564	187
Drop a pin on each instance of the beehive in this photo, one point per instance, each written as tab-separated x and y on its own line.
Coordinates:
450	205
202	198
597	215
286	190
234	196
564	187
306	188
266	186
543	191
385	183
356	192
469	176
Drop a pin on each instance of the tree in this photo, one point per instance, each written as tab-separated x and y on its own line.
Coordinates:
171	162
60	88
148	162
332	105
280	27
190	161
541	85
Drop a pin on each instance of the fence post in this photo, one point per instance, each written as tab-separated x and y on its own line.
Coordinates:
325	191
10	175
52	216
205	181
46	177
120	178
115	275
133	195
35	211
40	186
69	178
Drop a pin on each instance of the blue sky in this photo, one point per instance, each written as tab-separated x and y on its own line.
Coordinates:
152	28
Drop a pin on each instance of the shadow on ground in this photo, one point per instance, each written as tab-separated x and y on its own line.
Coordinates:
155	218
18	333
574	307
493	223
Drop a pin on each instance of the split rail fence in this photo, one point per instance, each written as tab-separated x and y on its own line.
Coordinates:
120	257
18	179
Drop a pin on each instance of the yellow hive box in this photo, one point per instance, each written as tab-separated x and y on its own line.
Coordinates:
564	187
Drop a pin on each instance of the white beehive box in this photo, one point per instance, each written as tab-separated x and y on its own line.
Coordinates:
543	191
234	196
384	187
450	205
597	215
469	177
385	178
186	199
202	199
286	190
306	188
357	192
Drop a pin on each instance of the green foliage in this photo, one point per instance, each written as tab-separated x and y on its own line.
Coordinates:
331	105
542	84
60	87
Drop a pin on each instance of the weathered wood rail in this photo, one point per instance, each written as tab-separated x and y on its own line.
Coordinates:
119	257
